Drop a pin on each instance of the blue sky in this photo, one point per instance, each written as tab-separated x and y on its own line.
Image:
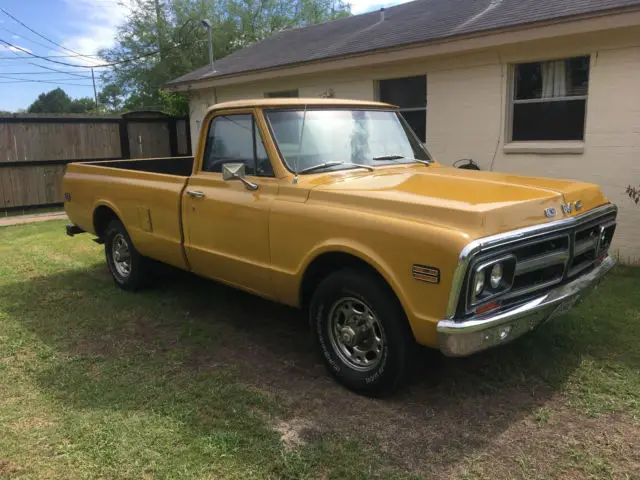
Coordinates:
84	26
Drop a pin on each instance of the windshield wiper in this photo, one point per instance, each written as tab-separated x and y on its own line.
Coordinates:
335	164
399	157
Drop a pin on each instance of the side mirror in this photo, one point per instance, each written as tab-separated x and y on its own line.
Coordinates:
235	171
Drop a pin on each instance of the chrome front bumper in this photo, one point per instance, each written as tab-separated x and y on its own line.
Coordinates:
461	338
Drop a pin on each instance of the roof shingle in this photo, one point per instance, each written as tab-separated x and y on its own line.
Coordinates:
414	22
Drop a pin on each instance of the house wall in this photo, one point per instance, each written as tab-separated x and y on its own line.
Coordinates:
468	118
467	112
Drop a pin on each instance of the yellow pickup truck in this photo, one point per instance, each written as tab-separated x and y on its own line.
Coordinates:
335	207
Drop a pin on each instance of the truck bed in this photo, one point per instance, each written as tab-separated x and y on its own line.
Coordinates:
181	166
145	194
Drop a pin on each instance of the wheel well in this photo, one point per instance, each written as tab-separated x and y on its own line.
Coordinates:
327	263
101	219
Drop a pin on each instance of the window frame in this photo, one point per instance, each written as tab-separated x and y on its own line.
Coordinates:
511	91
255	123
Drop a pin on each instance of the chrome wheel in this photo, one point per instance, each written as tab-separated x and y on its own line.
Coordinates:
121	255
356	334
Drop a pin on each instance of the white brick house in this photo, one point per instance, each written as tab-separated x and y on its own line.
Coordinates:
546	88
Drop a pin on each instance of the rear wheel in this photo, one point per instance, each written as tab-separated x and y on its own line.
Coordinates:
129	269
361	332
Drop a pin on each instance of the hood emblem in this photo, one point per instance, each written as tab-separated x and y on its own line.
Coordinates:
566	208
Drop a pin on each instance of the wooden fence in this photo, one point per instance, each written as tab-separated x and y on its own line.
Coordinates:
35	149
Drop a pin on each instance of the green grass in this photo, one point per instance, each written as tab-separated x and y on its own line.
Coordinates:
190	379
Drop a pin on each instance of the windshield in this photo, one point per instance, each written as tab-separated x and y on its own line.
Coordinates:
318	136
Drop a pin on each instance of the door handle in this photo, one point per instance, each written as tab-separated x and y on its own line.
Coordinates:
195	194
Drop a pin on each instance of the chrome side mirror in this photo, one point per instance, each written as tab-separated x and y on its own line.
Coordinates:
235	171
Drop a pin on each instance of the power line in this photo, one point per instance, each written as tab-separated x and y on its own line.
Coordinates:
8	77
104	65
23	50
49	56
39	34
25	38
45	81
46	73
75	74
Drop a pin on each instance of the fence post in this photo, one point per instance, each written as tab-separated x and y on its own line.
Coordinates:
125	148
173	136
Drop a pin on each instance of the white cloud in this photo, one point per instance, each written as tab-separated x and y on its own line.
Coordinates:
95	25
362	6
17	49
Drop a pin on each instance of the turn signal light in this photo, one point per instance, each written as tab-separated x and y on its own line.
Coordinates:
487	307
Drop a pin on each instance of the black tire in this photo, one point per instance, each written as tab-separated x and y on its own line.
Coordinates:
139	266
393	363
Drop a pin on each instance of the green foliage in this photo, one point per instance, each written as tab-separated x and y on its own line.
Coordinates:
174	104
169	40
57	101
110	98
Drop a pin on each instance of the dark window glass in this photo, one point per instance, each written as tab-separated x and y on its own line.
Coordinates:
282	94
549	100
562	120
233	139
408	92
417	120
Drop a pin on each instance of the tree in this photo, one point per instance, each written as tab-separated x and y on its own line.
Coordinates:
82	105
111	97
169	40
57	101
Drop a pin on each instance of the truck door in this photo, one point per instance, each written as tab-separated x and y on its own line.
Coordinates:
227	225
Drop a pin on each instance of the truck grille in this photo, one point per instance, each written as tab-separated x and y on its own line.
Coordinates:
554	257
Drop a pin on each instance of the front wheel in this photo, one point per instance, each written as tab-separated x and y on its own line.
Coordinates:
361	332
129	269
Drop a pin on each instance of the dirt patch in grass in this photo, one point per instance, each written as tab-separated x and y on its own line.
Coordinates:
8	469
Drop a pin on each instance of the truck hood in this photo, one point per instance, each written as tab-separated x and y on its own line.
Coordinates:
481	203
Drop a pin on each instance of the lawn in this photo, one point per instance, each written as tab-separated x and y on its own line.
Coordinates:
191	379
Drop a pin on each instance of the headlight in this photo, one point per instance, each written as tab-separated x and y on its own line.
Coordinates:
478	283
490	278
496	276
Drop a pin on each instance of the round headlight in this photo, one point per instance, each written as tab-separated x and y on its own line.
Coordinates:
478	283
496	275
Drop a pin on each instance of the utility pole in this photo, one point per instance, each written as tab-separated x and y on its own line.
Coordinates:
159	28
95	92
207	24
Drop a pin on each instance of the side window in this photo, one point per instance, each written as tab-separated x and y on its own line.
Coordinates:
233	139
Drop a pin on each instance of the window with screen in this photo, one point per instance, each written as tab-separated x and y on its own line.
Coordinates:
410	94
549	99
236	139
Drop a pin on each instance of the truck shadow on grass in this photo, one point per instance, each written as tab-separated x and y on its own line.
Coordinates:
216	359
